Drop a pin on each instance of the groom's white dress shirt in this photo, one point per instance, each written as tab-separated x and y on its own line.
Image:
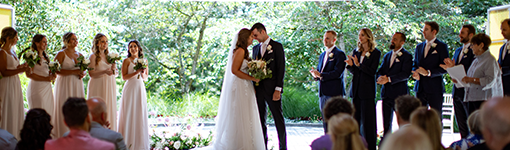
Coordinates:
325	59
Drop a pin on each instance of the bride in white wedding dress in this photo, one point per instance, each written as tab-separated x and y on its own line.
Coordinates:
238	125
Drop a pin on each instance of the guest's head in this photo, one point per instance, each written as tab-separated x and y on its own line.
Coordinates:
76	114
407	138
134	49
70	40
404	106
496	122
259	32
430	30
344	132
397	41
244	39
97	108
480	43
428	120
36	130
99	44
365	37
337	105
466	33
475	123
329	38
505	28
9	37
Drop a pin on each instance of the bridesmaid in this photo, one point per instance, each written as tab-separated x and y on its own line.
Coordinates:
102	78
133	123
11	96
39	91
363	65
68	83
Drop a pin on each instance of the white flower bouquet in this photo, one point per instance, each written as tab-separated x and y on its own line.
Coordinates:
31	58
54	66
112	58
140	63
83	63
258	69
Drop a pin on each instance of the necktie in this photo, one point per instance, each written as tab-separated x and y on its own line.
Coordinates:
393	56
263	49
427	47
326	57
505	50
461	54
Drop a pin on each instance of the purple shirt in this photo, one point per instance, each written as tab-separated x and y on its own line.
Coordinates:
324	143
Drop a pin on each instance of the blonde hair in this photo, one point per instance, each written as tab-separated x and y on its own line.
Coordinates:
345	133
95	47
370	38
428	120
409	137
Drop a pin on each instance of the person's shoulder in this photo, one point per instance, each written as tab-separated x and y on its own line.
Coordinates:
321	142
276	43
439	42
100	144
336	49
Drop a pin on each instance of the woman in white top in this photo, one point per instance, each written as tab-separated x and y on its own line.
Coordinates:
68	83
39	91
11	96
102	78
133	123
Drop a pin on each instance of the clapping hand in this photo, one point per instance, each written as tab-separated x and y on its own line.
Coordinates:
349	60
415	75
315	73
382	80
448	63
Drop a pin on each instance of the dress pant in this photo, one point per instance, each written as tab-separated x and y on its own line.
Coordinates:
388	107
276	110
460	109
473	106
322	102
365	115
434	100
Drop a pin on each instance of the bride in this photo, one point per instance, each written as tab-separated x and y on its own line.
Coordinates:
238	125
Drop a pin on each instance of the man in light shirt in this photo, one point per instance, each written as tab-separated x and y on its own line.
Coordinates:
504	56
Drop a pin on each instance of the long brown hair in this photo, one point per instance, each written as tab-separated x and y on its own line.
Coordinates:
242	41
7	32
95	47
67	36
428	120
345	131
37	38
140	50
370	38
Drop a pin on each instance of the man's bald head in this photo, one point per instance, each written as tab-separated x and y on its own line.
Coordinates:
496	121
97	107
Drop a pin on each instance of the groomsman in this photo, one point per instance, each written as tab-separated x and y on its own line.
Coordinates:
428	56
504	57
330	72
393	75
463	55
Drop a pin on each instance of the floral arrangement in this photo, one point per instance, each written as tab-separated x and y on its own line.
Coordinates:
31	58
140	63
258	69
54	66
83	63
112	58
185	138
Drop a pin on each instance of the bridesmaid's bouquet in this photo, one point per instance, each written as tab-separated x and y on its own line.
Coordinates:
83	63
112	58
140	63
31	58
54	66
258	69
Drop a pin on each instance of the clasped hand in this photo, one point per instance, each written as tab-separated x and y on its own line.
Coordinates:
315	73
382	80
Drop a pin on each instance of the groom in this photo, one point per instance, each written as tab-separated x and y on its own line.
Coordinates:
269	90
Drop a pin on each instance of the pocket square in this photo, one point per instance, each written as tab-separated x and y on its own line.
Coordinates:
397	60
270	51
465	56
434	52
331	59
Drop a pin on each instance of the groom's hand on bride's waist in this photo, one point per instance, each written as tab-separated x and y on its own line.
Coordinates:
276	95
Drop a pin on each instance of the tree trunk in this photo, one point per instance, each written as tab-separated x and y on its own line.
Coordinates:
182	70
197	52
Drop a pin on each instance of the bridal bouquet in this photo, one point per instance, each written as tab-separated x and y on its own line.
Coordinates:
83	63
54	66
112	58
258	69
31	58
140	63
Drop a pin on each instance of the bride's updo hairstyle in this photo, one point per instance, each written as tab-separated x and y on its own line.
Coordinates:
95	47
67	36
140	50
242	41
344	132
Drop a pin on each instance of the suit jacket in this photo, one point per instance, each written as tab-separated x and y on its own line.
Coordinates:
78	140
363	77
332	82
466	60
277	66
398	73
504	63
7	140
432	84
99	132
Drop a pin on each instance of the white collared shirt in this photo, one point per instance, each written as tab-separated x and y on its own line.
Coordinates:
428	46
464	47
326	56
263	47
394	56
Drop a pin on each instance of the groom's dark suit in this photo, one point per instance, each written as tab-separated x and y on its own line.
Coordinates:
460	108
264	91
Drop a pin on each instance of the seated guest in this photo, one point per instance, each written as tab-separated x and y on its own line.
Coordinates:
97	108
344	133
428	120
7	140
495	124
36	130
76	117
404	106
333	106
475	137
409	138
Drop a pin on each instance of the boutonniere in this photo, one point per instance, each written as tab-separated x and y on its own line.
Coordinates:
399	54
330	55
269	49
508	45
367	54
466	51
433	45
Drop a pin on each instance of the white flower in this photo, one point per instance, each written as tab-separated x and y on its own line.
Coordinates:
264	70
135	60
433	45
159	145
269	47
177	145
86	61
188	142
183	136
34	56
466	51
331	55
140	61
399	54
367	54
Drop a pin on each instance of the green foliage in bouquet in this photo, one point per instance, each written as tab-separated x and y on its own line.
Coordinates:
83	63
112	58
184	139
258	69
31	58
54	66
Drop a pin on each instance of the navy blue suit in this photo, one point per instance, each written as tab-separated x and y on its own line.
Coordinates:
266	88
398	73
505	69
363	88
458	93
430	89
332	81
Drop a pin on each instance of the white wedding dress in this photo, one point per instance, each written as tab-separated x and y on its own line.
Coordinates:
11	100
238	123
105	87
